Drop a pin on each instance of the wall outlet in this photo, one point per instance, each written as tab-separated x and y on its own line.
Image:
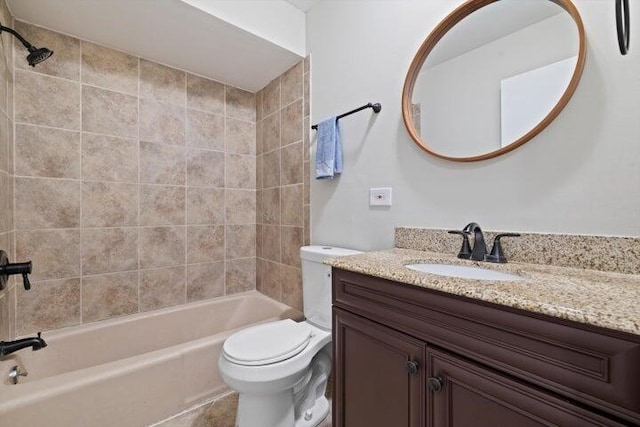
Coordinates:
380	196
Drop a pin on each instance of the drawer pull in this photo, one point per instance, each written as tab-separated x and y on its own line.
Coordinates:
435	384
412	367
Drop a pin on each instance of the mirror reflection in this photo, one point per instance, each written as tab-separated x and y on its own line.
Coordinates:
494	77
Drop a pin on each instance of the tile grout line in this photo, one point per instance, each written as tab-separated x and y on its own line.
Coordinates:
186	185
138	229
81	195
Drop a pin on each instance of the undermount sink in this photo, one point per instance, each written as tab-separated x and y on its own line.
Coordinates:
463	272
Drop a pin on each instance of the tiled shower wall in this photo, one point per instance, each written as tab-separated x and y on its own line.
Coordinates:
283	183
8	294
135	184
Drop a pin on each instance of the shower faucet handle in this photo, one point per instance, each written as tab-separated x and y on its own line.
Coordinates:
9	269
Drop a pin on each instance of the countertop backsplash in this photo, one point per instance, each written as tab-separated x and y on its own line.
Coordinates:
612	254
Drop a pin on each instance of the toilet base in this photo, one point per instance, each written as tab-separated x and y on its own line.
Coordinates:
277	411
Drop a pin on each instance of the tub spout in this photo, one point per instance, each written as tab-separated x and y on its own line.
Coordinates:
8	347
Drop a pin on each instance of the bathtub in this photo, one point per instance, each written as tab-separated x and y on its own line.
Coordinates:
130	371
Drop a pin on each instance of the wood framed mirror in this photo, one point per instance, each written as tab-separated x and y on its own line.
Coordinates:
492	75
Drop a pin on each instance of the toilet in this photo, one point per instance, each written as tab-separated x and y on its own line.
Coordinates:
280	369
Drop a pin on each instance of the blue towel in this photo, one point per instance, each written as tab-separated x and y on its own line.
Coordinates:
329	149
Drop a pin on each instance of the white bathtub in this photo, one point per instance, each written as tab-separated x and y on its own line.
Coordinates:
130	371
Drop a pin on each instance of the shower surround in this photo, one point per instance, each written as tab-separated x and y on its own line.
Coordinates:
135	185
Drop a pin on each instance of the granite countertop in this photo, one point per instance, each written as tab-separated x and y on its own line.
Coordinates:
605	299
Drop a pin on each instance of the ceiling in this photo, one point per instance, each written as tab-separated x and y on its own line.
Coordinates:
303	5
203	44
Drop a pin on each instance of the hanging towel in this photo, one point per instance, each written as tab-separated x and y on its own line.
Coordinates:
329	149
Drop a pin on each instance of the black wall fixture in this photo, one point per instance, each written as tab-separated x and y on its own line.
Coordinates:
36	55
623	24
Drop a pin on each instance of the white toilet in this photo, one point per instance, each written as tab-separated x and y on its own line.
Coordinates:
280	369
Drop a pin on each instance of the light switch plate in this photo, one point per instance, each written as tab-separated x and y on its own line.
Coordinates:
380	196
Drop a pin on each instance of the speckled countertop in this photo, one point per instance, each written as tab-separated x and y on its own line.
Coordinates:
609	300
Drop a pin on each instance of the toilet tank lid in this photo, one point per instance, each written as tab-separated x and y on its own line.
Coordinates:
320	253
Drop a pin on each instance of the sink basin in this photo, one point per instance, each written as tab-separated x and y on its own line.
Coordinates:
464	272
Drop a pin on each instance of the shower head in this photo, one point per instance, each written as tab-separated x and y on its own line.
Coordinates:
36	55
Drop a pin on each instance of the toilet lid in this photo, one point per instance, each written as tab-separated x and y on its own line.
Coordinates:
267	343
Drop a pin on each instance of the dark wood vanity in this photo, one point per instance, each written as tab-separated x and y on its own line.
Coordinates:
410	356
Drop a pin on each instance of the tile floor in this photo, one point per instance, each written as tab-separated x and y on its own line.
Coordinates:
220	412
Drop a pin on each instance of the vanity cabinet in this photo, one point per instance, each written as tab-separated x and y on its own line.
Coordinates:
410	356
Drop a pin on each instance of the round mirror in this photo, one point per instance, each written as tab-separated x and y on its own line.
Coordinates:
492	75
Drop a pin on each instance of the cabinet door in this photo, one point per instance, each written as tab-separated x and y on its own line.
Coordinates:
462	394
379	375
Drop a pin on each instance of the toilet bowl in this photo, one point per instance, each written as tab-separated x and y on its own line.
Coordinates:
280	369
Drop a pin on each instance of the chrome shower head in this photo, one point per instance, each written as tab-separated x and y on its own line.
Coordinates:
36	55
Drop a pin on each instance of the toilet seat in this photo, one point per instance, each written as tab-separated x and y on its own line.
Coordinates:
267	343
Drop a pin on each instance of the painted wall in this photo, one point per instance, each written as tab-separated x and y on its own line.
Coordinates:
581	175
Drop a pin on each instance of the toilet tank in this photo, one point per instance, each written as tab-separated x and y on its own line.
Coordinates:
316	282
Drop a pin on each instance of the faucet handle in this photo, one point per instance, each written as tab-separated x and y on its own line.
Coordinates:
465	250
497	254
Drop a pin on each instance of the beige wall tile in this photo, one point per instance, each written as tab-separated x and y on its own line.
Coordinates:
260	137
271	243
240	241
162	83
271	98
240	137
109	204
240	275
55	253
306	108
205	243
161	246
205	281
205	168
5	77
109	68
109	158
271	169
291	82
259	238
162	205
205	206
259	171
292	240
291	123
48	305
162	164
260	105
260	206
4	144
109	295
307	225
240	206
240	104
271	133
108	250
271	206
65	61
204	94
306	132
45	100
47	152
205	130
292	205
291	287
161	122
291	172
306	177
5	210
109	113
307	64
5	318
47	203
162	287
270	281
240	171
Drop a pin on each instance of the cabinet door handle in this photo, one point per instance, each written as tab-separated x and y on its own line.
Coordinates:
435	384
412	367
